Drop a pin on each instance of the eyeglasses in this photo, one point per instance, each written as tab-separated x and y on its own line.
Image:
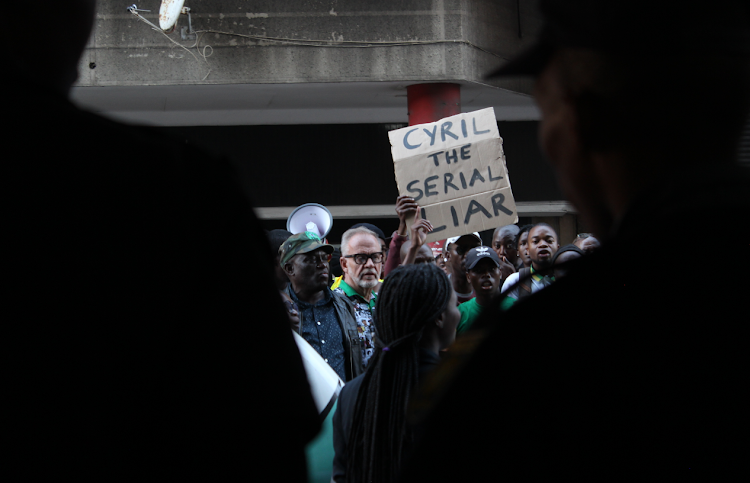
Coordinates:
361	258
314	258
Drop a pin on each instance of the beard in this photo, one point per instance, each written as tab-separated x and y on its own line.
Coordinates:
366	283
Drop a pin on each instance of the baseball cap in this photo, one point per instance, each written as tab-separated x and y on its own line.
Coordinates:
456	238
304	242
475	255
437	247
373	229
648	29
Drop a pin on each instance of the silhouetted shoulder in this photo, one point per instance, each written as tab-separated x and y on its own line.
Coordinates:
147	328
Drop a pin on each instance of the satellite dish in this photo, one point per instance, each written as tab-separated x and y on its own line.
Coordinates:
310	217
169	12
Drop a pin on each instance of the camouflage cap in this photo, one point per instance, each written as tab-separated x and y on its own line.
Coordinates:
304	242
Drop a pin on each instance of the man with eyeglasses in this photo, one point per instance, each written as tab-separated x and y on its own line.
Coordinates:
361	261
383	248
327	319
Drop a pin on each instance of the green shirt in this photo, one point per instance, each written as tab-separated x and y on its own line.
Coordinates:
350	292
363	311
470	311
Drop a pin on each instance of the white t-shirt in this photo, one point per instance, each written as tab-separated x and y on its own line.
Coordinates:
513	279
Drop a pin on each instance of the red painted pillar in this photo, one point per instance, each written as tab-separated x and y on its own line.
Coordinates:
431	102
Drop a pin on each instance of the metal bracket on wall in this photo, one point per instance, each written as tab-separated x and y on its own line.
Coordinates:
187	33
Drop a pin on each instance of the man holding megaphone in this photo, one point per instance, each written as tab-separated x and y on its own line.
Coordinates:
327	319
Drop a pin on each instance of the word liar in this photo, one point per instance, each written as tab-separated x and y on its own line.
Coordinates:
473	208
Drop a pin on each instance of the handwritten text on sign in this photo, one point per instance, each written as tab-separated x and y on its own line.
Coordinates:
455	169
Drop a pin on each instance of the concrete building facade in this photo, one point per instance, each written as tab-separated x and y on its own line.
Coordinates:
300	94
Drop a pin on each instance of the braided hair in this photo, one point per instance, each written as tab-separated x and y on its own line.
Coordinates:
412	297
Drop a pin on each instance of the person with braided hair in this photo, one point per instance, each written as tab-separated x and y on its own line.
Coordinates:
416	317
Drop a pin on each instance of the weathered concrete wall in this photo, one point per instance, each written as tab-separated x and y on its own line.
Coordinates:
442	40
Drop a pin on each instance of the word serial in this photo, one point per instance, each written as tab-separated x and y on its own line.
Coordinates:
448	181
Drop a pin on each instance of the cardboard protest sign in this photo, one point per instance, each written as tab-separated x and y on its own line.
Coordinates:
455	169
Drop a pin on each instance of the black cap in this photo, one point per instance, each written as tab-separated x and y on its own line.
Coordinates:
372	228
566	248
648	29
475	255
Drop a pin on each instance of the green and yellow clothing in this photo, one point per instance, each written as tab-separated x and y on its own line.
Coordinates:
538	282
363	310
470	312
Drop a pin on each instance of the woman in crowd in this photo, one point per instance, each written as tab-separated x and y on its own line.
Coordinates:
415	317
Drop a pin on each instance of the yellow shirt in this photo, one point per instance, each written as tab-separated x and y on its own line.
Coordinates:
337	282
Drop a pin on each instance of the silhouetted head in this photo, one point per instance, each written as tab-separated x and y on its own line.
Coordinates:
48	40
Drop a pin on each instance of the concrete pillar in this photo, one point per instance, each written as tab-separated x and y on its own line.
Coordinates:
431	102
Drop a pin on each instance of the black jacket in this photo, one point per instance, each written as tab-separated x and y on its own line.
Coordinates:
343	418
631	367
135	340
345	315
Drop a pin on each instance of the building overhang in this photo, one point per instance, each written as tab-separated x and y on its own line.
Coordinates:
525	209
276	104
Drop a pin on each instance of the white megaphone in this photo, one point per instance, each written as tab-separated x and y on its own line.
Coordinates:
325	384
311	217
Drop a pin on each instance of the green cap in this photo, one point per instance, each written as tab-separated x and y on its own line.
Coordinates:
304	242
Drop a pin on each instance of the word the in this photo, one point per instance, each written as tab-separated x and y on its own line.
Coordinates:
451	155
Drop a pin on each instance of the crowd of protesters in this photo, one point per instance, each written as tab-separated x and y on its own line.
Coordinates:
145	340
394	296
516	265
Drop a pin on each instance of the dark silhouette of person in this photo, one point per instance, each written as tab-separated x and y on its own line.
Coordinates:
612	373
144	336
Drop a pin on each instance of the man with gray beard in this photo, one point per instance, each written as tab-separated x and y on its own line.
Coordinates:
361	261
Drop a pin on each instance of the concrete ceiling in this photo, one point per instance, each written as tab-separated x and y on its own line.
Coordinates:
268	104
